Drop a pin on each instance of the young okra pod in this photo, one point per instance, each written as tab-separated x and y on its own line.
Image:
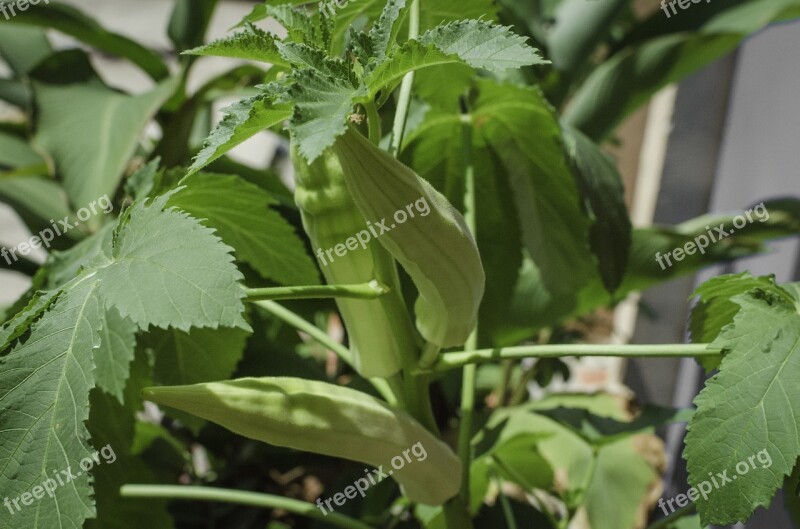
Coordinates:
379	329
326	419
437	249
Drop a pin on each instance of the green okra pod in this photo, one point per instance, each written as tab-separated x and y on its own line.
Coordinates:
437	250
325	419
379	330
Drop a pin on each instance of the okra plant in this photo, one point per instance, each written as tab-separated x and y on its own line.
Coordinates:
355	349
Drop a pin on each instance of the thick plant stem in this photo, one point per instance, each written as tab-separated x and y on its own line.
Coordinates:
404	99
455	360
253	499
370	290
299	323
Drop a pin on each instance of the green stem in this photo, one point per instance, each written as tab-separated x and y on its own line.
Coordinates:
665	522
370	290
404	99
253	499
322	337
374	123
455	360
470	373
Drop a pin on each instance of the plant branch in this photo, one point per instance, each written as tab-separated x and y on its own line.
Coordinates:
370	290
449	361
253	499
404	99
322	337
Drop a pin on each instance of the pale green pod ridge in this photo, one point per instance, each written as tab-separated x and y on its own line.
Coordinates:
436	249
378	329
325	419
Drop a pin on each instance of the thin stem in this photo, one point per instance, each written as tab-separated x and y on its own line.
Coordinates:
374	123
253	499
455	360
404	99
665	522
322	337
370	290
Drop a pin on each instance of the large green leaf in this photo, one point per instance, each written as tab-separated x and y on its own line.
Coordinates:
185	280
75	23
92	163
744	437
242	215
44	393
169	271
519	125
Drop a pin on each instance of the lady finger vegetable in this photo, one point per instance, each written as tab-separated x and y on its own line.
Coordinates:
379	330
324	419
437	251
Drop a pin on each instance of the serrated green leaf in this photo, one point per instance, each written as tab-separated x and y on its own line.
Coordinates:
254	44
482	44
715	307
747	414
167	270
19	324
384	32
323	104
410	57
44	394
115	354
243	120
520	127
241	214
303	56
600	185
